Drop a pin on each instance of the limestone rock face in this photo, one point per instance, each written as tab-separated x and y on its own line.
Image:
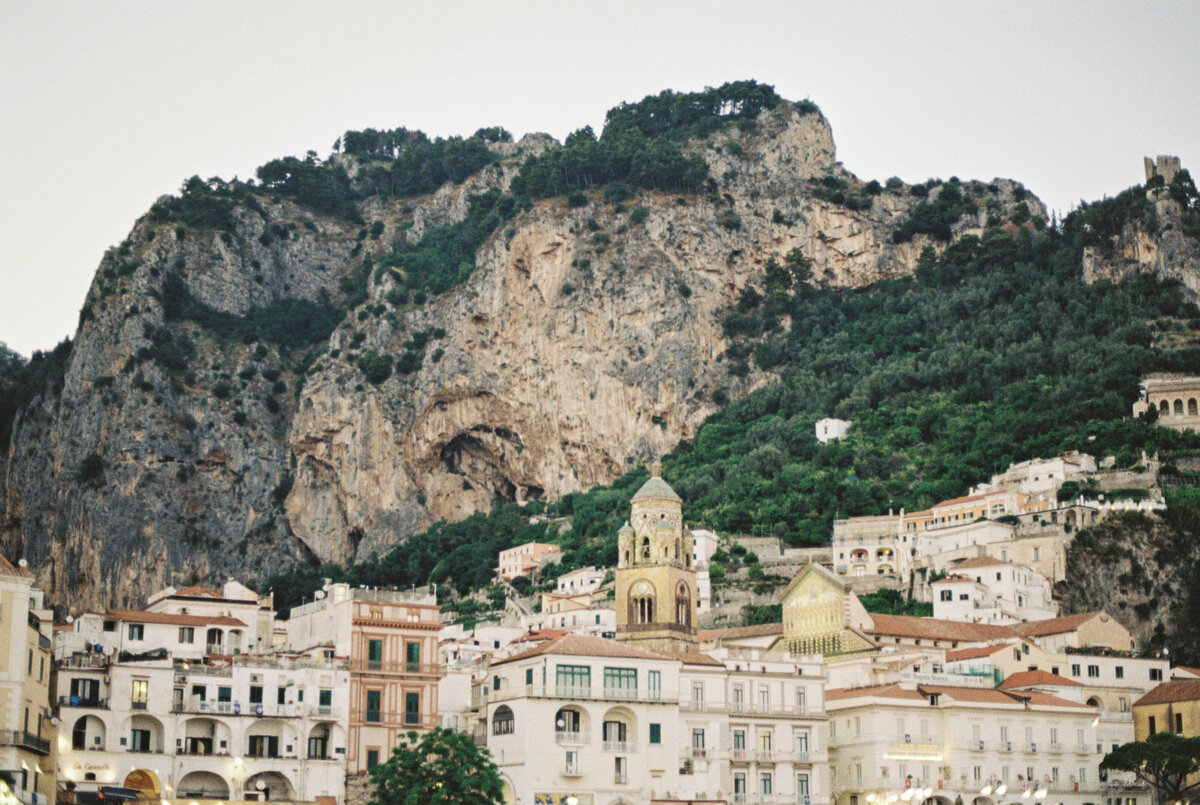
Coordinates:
1168	253
582	342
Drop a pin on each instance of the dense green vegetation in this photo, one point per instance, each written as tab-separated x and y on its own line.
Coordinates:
638	146
445	256
289	323
413	164
201	204
21	381
996	351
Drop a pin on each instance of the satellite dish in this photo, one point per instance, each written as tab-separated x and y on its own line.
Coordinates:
70	619
23	563
319	594
54	721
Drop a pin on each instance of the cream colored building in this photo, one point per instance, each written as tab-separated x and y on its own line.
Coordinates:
1176	398
525	559
27	756
947	742
986	590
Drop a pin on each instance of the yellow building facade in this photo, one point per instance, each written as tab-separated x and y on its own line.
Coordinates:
27	729
655	581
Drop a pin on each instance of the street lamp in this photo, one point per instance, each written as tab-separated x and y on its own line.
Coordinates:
571	800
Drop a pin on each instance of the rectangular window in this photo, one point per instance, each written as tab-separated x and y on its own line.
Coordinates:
801	701
764	783
224	694
256	694
412	709
1179	723
573	681
698	738
1120	672
571	766
620	683
802	785
739	739
412	656
656	733
802	744
374	704
139	740
264	746
139	694
374	655
947	595
136	631
1074	669
372	758
325	697
528	676
1156	675
200	692
281	696
495	683
187	634
1093	671
764	745
654	684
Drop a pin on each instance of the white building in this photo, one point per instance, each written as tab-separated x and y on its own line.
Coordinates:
609	722
947	742
829	428
234	727
583	580
986	590
1041	477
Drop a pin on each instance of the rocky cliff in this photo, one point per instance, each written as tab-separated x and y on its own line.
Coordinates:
186	447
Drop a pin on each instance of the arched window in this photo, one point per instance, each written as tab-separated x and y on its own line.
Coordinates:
502	721
683	605
1192	406
641	603
626	557
79	734
645	547
676	549
1164	407
1179	408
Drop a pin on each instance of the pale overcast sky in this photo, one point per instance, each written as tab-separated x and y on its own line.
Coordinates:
105	106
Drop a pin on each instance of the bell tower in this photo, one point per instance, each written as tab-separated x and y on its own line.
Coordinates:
655	580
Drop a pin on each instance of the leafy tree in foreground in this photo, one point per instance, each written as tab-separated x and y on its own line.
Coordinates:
442	767
1164	761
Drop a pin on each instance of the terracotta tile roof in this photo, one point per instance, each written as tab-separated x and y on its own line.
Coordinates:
933	629
538	636
1023	679
978	561
196	591
975	652
137	616
758	630
1067	623
9	569
578	645
890	691
1049	700
1187	670
971	695
696	658
1178	690
963	499
954	578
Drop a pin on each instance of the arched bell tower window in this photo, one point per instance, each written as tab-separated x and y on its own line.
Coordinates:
683	605
645	548
641	603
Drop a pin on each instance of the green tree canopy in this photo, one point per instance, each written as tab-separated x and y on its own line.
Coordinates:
1164	761
442	767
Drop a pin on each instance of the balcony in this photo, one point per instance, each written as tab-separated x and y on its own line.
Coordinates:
571	770
372	716
621	747
620	778
741	755
563	738
83	662
1006	746
389	667
1056	748
800	756
1081	749
135	705
25	740
642	695
214	648
1031	748
83	701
